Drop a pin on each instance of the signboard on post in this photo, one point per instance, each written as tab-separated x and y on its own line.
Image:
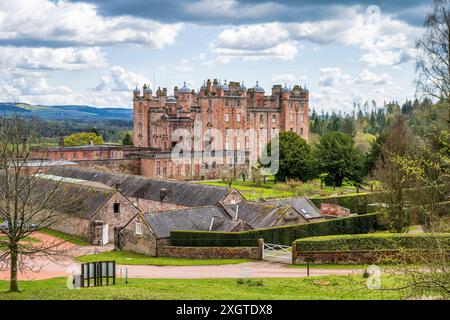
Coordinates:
98	273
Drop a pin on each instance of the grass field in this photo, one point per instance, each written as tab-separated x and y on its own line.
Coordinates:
69	238
123	257
253	191
324	288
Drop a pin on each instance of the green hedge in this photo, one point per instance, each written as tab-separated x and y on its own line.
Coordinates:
357	203
279	235
373	242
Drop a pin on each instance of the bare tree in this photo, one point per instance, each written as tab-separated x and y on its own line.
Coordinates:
28	203
434	55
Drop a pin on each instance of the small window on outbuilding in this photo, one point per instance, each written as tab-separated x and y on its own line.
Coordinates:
138	228
116	207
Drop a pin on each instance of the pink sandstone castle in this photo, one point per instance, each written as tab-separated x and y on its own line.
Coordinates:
216	119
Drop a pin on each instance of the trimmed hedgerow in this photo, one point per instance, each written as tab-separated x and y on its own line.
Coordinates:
280	235
372	242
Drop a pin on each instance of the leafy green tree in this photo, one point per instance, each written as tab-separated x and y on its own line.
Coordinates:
82	138
295	158
374	154
337	157
127	141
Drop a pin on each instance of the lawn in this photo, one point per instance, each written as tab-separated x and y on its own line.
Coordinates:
270	190
123	257
67	237
323	287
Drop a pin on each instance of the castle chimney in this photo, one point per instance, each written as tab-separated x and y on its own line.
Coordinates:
118	186
163	193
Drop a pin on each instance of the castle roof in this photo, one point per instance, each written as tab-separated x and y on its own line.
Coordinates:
184	89
258	88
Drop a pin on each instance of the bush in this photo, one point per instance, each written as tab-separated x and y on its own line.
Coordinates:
279	235
371	242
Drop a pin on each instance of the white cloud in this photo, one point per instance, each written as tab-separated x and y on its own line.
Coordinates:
387	41
118	79
367	77
283	77
51	59
330	77
63	23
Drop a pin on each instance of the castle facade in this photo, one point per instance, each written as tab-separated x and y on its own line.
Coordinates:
213	123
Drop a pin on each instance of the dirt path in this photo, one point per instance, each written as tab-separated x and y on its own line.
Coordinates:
40	267
63	265
260	269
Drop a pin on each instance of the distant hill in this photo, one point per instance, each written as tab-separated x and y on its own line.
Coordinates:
66	112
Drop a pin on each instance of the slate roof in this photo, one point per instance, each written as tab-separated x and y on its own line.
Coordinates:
302	205
186	219
180	193
73	199
257	215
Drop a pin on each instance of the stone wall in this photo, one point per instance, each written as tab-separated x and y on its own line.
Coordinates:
74	226
209	252
144	243
107	215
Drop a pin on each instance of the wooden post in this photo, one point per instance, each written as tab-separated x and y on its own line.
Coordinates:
294	252
260	249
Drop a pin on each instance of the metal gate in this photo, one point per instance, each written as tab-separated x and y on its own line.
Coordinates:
277	253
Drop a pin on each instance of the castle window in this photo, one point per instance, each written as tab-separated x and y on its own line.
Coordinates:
209	118
261	118
116	208
238	102
214	164
226	102
301	132
238	117
301	117
226	117
206	166
74	155
291	117
274	118
248	116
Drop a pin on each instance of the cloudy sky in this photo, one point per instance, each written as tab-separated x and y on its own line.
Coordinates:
95	52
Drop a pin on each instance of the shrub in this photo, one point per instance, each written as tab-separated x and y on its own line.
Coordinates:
372	242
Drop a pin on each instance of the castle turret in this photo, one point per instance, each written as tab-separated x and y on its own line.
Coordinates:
136	93
147	92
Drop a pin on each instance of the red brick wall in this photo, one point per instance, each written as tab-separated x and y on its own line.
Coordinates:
334	210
